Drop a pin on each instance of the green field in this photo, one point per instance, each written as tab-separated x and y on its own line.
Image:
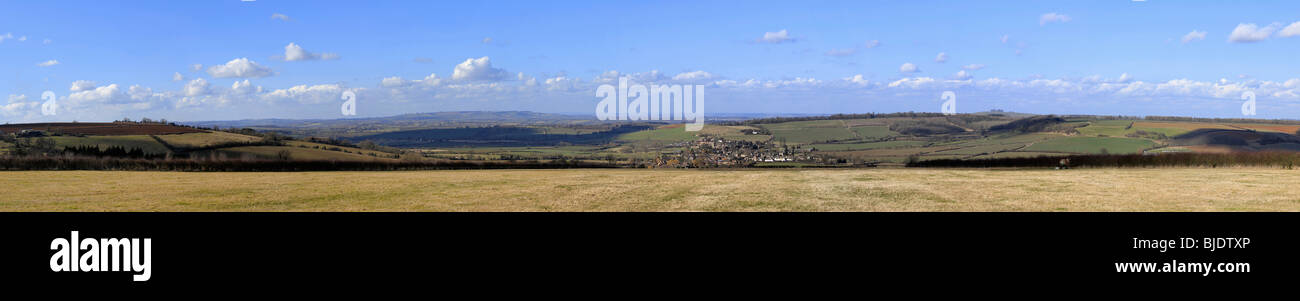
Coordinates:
148	144
873	132
662	134
1091	145
804	132
195	140
867	145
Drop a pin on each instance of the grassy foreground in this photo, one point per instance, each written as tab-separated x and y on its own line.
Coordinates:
1163	189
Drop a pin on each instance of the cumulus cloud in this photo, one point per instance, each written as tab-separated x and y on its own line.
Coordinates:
279	16
694	76
1052	18
858	80
81	85
776	37
973	67
109	94
196	67
392	82
196	87
177	77
295	53
240	68
908	68
1249	33
6	36
962	75
244	87
48	63
305	94
17	105
1195	35
941	58
1290	30
479	69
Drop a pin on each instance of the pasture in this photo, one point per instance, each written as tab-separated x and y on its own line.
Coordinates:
885	189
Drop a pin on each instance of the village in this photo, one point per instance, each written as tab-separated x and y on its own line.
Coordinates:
720	152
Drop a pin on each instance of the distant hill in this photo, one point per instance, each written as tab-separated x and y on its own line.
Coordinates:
99	128
457	117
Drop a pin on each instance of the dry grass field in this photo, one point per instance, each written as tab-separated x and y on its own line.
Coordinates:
1166	189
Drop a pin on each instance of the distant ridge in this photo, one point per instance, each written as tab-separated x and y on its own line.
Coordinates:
458	116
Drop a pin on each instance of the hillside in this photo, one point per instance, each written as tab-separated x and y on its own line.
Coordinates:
150	140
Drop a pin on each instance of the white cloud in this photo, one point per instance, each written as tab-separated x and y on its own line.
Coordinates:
110	94
393	82
81	85
13	98
279	16
908	68
1290	30
5	36
873	44
1195	35
941	58
612	76
177	77
295	53
22	39
196	87
240	68
962	75
487	40
776	37
1248	33
432	80
136	92
244	87
1052	18
196	67
398	82
304	94
858	79
973	67
694	76
479	69
48	63
563	83
913	82
17	105
1124	78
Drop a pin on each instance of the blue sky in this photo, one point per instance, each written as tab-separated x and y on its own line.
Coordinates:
107	60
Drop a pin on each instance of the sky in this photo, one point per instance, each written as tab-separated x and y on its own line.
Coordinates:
231	59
